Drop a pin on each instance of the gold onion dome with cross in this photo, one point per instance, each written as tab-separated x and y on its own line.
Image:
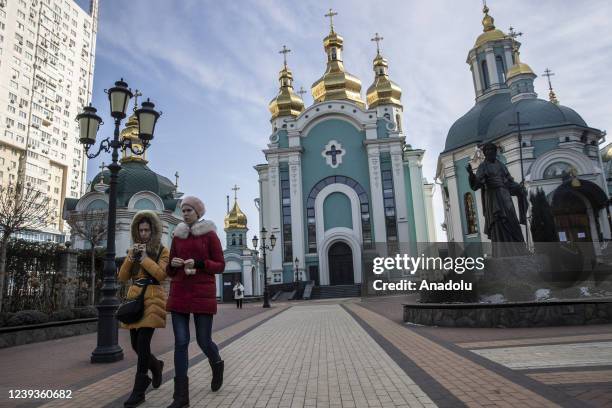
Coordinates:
130	132
519	68
336	83
490	33
235	218
383	90
287	102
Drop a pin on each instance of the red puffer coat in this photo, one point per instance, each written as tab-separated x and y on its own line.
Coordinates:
195	293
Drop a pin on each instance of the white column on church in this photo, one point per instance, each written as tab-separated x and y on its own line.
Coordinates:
454	224
491	66
274	222
429	212
476	74
399	186
508	55
418	199
377	207
297	207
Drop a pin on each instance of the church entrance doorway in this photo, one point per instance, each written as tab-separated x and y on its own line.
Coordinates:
341	264
228	285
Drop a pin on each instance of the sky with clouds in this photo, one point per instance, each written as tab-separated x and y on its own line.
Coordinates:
212	68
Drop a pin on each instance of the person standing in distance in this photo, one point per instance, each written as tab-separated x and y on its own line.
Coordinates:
195	257
238	293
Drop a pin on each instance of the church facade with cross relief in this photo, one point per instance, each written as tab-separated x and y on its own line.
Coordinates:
544	144
339	175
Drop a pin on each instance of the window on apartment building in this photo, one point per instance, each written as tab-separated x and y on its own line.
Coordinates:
11	108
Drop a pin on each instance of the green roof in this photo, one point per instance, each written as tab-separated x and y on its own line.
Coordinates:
135	177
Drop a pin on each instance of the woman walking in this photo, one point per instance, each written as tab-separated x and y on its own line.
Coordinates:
145	264
238	294
195	257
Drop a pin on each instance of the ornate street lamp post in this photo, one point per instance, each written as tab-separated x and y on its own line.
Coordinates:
108	349
264	247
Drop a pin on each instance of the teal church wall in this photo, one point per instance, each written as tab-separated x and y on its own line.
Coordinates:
542	146
337	211
354	162
409	201
145	204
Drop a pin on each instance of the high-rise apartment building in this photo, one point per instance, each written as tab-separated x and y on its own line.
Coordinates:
47	54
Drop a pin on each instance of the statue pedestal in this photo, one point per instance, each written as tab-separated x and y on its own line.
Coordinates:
516	278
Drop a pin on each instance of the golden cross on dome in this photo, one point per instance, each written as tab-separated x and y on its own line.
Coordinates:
176	177
301	92
285	51
236	188
137	93
331	15
378	39
102	166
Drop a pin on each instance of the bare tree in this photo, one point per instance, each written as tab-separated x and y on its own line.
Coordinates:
22	208
91	226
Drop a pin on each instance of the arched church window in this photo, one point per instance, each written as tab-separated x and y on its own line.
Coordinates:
233	239
398	120
485	74
501	68
240	239
470	213
557	170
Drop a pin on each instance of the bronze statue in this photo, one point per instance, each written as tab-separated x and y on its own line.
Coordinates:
501	222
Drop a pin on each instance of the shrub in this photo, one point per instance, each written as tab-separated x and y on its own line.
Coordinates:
4	317
85	312
60	315
27	317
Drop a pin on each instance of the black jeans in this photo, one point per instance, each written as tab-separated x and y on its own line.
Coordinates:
239	303
141	343
180	326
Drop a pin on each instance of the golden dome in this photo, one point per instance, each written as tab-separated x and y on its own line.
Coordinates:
519	67
336	83
383	91
235	219
131	132
490	33
286	103
606	154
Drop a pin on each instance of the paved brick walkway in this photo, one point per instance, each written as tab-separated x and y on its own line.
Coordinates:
358	353
308	356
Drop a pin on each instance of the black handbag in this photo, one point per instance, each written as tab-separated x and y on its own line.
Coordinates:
133	310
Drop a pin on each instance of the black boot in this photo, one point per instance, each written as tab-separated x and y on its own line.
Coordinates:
217	375
181	393
157	368
137	397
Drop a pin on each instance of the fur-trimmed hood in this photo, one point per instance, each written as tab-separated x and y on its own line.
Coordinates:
199	228
156	225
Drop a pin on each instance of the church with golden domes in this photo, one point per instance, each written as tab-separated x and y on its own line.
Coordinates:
241	262
340	179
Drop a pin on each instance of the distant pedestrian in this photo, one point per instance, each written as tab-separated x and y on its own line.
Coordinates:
195	257
145	264
238	294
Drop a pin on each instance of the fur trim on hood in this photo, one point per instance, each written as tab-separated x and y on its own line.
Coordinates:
156	225
199	228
